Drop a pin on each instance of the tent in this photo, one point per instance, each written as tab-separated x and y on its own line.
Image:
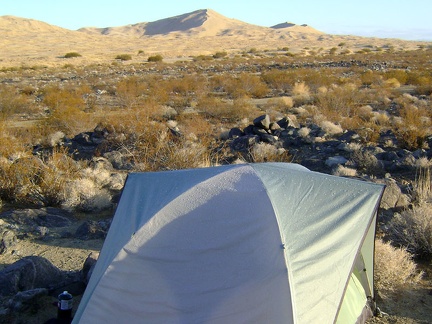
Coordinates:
249	243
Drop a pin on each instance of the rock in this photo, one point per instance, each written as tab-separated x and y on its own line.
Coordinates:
350	137
235	132
393	196
29	273
91	230
335	160
119	160
7	240
286	122
244	143
262	122
47	216
88	266
25	300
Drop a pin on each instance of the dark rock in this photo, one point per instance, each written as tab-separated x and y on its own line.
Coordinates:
25	300
388	139
262	122
29	273
235	132
350	137
47	216
285	122
91	230
267	138
249	130
244	143
88	266
7	240
387	156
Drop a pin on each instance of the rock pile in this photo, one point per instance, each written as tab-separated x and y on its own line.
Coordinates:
323	148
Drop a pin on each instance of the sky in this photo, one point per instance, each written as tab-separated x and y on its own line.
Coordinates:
411	20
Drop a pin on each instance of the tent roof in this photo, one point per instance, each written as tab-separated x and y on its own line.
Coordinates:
313	224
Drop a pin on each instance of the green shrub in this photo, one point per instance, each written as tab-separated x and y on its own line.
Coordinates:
72	55
124	57
155	58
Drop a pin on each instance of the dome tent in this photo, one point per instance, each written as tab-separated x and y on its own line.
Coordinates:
249	243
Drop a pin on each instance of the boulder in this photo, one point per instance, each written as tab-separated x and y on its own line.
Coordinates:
29	273
393	196
47	216
262	122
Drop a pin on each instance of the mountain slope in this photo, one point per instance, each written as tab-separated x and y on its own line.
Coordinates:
287	26
205	22
17	26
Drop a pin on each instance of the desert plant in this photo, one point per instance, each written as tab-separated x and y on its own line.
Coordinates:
412	229
263	152
394	269
72	55
365	161
66	111
155	58
124	57
12	102
218	55
301	93
84	195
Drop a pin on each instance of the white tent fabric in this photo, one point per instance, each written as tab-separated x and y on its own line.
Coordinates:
251	243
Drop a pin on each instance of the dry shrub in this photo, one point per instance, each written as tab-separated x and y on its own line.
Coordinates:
212	107
340	101
130	91
343	171
12	102
366	162
400	75
381	118
246	84
32	180
414	126
392	83
301	93
280	104
263	152
331	128
278	80
83	194
66	111
412	228
422	186
395	269
9	144
370	78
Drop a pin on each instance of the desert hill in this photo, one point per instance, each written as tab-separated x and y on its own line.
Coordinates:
201	32
204	22
17	26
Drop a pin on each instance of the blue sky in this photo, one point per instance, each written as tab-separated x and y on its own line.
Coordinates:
381	18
